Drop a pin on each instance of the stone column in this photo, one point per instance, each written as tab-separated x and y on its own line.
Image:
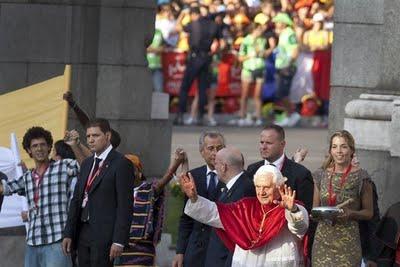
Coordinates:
365	79
374	122
105	41
124	86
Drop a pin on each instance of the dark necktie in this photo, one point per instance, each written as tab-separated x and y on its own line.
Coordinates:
211	185
96	165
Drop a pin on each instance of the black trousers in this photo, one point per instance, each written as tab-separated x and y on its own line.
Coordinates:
284	79
91	254
197	66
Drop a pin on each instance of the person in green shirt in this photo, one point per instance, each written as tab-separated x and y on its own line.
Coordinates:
252	54
154	60
285	65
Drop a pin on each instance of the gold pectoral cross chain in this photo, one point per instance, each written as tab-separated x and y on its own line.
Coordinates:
253	242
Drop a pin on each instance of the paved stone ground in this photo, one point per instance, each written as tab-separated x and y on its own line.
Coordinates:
246	139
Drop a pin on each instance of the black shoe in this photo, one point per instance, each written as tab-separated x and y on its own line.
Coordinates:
178	119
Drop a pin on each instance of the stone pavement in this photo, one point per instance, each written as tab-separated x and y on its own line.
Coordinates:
246	140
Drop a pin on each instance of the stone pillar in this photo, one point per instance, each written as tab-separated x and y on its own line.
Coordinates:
105	41
124	86
374	122
365	78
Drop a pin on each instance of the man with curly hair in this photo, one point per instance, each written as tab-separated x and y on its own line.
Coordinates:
47	188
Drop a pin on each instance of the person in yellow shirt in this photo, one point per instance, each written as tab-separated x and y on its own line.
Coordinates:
318	41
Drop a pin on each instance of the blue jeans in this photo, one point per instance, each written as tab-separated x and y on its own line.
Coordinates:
46	256
158	80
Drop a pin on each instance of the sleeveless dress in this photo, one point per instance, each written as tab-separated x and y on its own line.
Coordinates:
339	244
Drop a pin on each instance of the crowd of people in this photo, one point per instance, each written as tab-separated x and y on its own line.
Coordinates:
90	205
281	46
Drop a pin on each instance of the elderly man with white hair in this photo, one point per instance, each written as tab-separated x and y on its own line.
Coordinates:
262	231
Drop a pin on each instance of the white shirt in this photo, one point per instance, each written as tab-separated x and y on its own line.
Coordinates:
253	3
283	251
167	28
233	180
102	156
209	176
278	163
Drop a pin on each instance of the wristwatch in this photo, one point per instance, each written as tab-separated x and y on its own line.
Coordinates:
296	209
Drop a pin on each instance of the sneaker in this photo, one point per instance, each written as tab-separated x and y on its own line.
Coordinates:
258	122
245	122
211	122
190	121
241	122
233	122
294	119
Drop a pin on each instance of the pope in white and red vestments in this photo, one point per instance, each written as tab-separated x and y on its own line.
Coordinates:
263	231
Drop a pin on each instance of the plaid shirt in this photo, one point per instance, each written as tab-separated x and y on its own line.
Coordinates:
47	222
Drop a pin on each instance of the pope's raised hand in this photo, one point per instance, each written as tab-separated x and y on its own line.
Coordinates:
287	197
188	186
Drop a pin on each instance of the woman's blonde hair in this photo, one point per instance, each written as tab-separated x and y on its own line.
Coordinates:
350	142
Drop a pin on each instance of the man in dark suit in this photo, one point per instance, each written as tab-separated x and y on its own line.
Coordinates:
100	213
272	146
193	236
229	166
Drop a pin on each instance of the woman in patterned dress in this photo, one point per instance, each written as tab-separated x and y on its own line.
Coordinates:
148	213
338	243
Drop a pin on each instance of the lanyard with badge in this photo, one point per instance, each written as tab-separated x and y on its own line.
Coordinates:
93	175
37	181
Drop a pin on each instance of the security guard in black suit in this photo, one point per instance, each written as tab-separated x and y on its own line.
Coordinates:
202	32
